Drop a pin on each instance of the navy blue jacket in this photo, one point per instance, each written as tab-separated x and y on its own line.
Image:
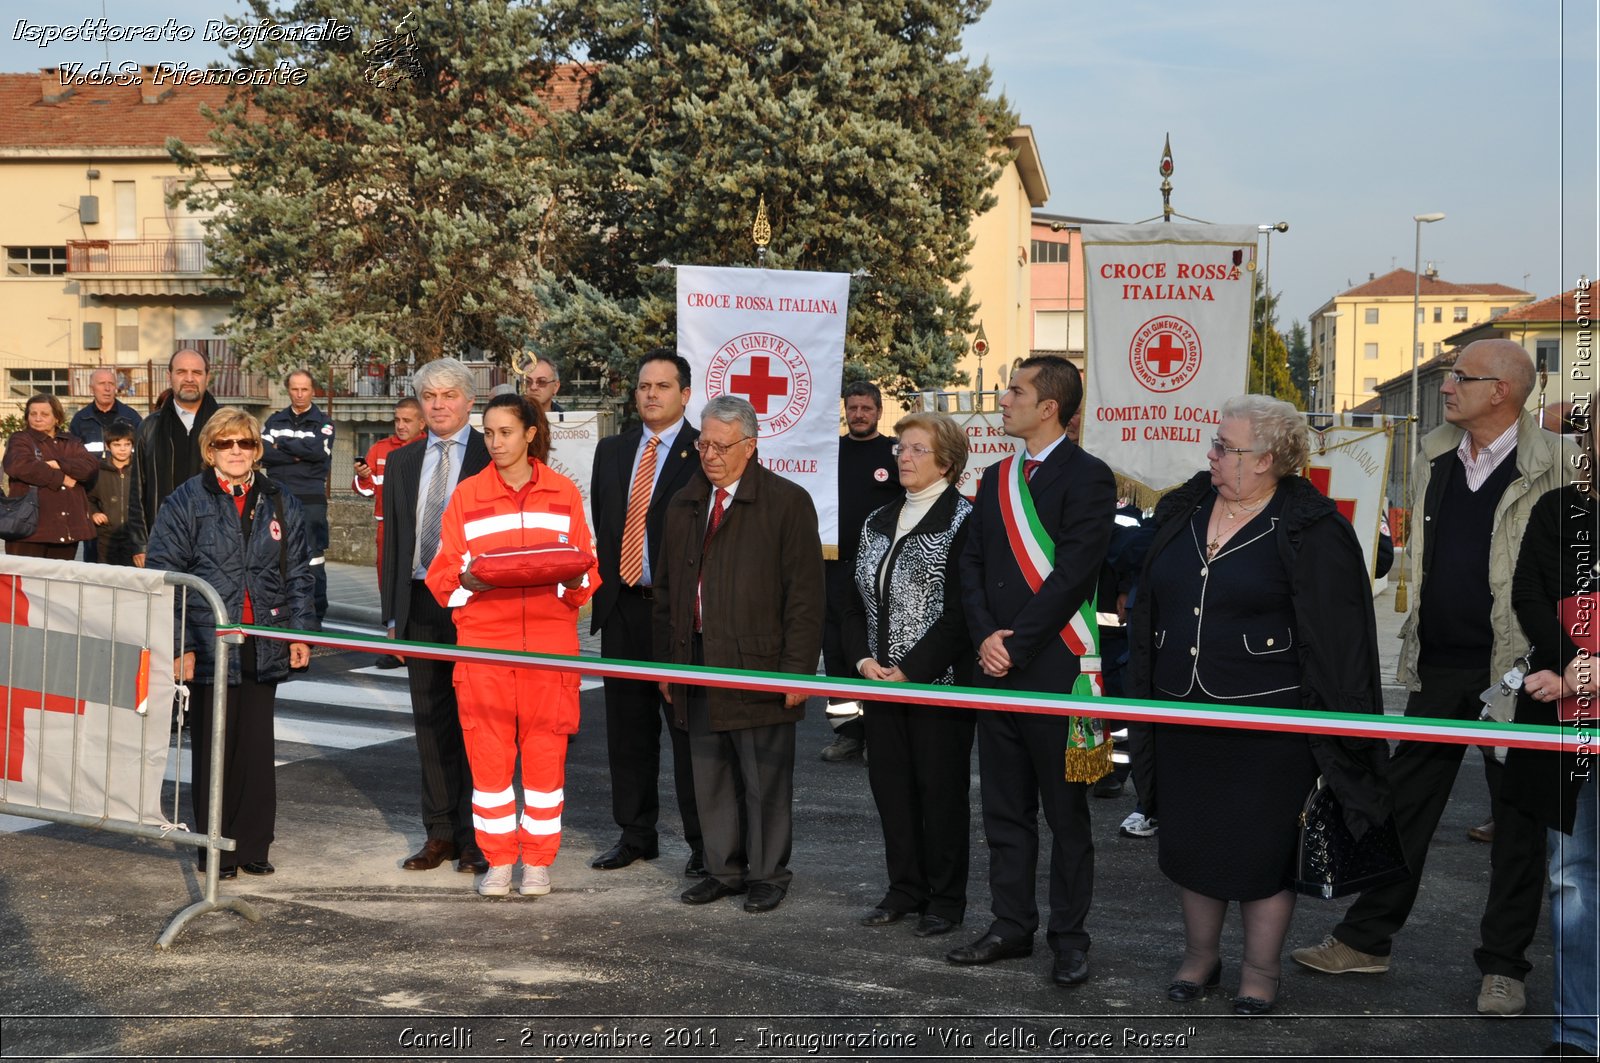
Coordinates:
90	425
198	531
298	451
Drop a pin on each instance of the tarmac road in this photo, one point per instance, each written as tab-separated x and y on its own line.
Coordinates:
355	958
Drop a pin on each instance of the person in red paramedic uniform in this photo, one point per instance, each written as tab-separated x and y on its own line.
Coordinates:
517	501
408	424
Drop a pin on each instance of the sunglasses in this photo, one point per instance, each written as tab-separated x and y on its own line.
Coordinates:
250	445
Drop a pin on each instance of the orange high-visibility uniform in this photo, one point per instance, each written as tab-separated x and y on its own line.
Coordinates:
504	710
372	486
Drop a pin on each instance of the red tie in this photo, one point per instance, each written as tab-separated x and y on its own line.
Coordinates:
712	525
1029	465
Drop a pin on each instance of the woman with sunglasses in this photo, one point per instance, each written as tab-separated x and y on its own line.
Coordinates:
234	528
517	502
1255	593
44	456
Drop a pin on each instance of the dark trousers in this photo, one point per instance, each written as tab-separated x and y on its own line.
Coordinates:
249	780
634	715
920	770
839	575
1021	768
315	514
446	778
48	551
1421	775
744	787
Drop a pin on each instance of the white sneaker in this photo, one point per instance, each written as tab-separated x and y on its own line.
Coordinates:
1138	825
535	881
496	882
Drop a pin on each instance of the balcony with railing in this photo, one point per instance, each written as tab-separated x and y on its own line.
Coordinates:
141	267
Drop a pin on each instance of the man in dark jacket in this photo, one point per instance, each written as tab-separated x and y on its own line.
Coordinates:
90	423
167	450
740	585
297	450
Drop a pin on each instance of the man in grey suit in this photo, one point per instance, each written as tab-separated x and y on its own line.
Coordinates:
416	486
635	473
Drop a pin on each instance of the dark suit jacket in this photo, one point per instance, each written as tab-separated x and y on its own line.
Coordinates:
762	596
609	487
1075	496
401	487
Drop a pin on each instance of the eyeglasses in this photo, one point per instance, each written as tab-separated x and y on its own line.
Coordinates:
248	445
1457	376
1219	447
541	381
719	449
916	450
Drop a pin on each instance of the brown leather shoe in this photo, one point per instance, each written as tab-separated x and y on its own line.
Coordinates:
433	853
1483	832
472	861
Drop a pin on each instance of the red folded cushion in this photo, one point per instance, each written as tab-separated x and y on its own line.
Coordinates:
530	566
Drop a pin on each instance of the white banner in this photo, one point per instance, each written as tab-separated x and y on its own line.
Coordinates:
776	338
86	660
987	444
1350	466
572	443
1169	340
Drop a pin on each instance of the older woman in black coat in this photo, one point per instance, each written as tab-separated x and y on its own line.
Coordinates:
904	623
237	530
1254	592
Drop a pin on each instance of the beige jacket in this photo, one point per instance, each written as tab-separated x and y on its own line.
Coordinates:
1544	462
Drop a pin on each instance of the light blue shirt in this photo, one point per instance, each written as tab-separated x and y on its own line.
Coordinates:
1046	452
669	439
430	461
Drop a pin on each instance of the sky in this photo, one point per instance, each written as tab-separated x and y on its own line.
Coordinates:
1343	120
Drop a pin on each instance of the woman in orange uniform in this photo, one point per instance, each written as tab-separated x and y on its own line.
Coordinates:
518	501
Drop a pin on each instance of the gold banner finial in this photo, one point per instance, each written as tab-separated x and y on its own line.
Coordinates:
761	231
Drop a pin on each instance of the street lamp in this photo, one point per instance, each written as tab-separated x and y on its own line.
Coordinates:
1266	284
1416	309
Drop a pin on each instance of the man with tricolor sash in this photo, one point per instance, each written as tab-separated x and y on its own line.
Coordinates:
1040	528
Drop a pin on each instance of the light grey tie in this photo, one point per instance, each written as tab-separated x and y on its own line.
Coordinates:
433	505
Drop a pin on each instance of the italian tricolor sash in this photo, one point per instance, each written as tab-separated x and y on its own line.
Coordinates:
1088	749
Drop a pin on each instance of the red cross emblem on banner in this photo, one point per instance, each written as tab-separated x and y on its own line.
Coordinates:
1321	478
14	610
759	385
1165	353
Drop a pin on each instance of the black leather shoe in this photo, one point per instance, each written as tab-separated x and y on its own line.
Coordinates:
1183	991
1071	968
389	660
1252	1005
258	867
989	948
621	855
933	925
709	889
882	917
433	853
696	867
764	896
472	861
228	872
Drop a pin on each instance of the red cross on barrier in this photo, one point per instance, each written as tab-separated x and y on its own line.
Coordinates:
1164	356
1321	478
14	610
759	384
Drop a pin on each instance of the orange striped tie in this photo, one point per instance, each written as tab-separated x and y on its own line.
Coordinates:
632	566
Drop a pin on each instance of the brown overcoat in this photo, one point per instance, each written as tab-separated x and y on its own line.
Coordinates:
63	511
762	593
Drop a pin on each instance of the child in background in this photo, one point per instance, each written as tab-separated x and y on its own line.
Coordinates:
108	496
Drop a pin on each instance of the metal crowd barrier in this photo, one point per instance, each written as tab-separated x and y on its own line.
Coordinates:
75	642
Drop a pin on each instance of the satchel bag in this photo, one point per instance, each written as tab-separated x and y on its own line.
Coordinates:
1331	862
19	517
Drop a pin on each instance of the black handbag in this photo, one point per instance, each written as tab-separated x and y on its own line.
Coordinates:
19	517
1331	862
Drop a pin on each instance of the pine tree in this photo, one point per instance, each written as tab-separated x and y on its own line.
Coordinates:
1263	330
872	139
1300	358
389	212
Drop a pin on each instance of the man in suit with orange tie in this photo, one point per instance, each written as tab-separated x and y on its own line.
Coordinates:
635	473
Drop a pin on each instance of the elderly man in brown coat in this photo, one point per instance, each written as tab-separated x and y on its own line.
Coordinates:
740	585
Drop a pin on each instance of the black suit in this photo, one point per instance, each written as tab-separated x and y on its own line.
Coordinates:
417	616
1021	755
622	616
